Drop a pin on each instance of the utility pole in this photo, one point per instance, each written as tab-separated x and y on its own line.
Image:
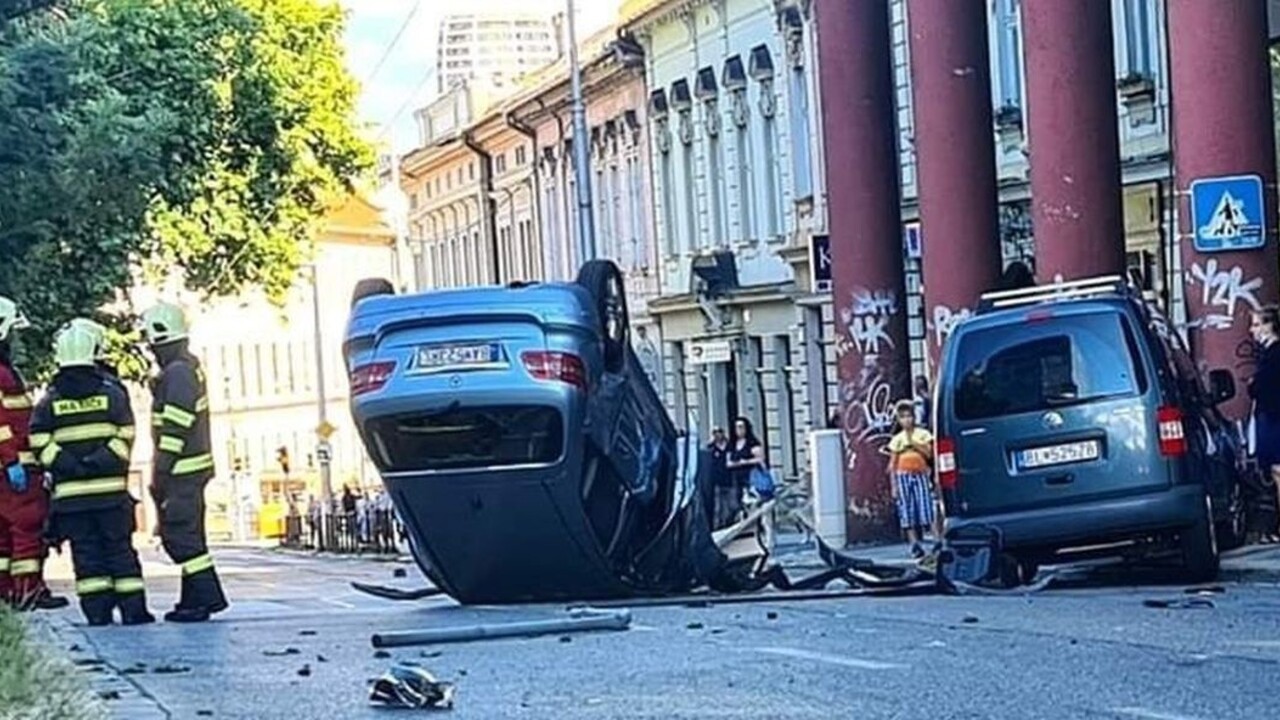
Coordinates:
581	148
322	449
406	269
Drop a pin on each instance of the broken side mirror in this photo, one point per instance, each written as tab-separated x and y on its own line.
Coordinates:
1222	386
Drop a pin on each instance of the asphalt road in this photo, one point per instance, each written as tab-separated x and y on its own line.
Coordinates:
1083	652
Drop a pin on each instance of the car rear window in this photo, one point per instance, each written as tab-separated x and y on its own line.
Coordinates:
468	438
1038	366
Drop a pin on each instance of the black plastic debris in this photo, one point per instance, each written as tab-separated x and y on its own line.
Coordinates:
109	694
382	654
136	669
204	713
281	653
771	615
695	626
400	573
170	669
307	633
566	639
322	659
431	653
413	687
304	671
970	620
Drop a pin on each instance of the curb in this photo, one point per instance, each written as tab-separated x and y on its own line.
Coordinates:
122	697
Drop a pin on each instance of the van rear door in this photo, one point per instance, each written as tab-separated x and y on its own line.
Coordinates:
1057	408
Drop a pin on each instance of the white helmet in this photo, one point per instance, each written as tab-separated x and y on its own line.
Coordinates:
11	318
97	330
164	323
75	346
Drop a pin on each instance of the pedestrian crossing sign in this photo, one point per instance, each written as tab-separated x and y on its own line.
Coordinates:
1228	213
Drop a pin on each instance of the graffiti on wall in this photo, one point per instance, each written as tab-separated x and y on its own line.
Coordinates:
945	321
1223	291
867	320
867	392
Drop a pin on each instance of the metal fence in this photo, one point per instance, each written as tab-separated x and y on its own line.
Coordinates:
376	532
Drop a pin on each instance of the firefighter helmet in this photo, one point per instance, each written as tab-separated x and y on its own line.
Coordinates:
98	332
164	323
75	346
11	318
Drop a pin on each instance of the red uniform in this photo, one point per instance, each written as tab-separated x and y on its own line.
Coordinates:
22	515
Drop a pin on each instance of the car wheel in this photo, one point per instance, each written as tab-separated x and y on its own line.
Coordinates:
369	287
603	280
1234	527
1199	545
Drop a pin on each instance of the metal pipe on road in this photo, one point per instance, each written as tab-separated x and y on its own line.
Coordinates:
581	622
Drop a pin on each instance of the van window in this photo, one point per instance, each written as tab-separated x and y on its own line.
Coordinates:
468	438
1041	366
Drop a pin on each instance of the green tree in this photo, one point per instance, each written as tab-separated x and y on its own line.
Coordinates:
197	138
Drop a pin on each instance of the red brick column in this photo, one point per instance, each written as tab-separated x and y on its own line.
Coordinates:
1073	138
956	166
858	118
1222	126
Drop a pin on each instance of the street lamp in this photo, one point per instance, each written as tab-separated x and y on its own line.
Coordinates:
581	151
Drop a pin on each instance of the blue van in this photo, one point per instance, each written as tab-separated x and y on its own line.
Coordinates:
522	444
1072	419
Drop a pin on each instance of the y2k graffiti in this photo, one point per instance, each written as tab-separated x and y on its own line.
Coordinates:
1222	292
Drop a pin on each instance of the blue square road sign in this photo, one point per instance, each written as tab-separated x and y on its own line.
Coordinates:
1227	213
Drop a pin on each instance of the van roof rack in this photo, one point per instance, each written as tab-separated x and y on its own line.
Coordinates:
1056	292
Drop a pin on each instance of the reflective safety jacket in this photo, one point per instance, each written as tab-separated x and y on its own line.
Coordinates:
15	418
180	421
82	430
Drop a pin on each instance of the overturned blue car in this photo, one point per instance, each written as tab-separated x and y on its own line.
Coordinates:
523	446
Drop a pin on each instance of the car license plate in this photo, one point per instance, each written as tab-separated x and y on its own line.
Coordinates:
433	358
1059	454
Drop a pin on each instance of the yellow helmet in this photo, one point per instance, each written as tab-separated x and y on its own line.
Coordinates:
75	346
97	330
11	318
164	323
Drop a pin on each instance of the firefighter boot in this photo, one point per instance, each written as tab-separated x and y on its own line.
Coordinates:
202	597
133	609
97	608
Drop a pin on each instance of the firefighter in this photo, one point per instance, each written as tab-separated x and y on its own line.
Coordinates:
83	429
183	462
24	502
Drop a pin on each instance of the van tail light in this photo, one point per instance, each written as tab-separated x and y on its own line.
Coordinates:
1173	436
370	377
945	463
556	366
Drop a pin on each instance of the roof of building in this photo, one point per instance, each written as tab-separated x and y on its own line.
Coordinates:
354	217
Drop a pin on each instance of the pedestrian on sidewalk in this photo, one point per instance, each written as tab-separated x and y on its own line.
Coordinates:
727	496
83	428
746	456
1264	388
911	478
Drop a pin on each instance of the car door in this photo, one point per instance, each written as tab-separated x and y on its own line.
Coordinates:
1212	452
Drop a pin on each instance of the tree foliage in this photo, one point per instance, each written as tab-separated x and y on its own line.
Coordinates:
199	139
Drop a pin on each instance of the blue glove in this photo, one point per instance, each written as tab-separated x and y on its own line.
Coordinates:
17	477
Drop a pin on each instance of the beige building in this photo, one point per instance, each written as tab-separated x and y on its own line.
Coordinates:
261	365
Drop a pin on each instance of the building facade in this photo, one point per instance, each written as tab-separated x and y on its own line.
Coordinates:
615	98
1052	72
491	50
736	199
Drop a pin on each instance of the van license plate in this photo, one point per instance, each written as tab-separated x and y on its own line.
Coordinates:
442	357
1059	455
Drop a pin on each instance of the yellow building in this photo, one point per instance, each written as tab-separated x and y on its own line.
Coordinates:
262	370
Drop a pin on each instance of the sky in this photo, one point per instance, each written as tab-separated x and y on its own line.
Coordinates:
397	79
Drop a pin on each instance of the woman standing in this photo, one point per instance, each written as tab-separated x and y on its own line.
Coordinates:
745	455
1264	388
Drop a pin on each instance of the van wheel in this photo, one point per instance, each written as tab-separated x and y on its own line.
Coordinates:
1233	529
1200	548
369	287
603	280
